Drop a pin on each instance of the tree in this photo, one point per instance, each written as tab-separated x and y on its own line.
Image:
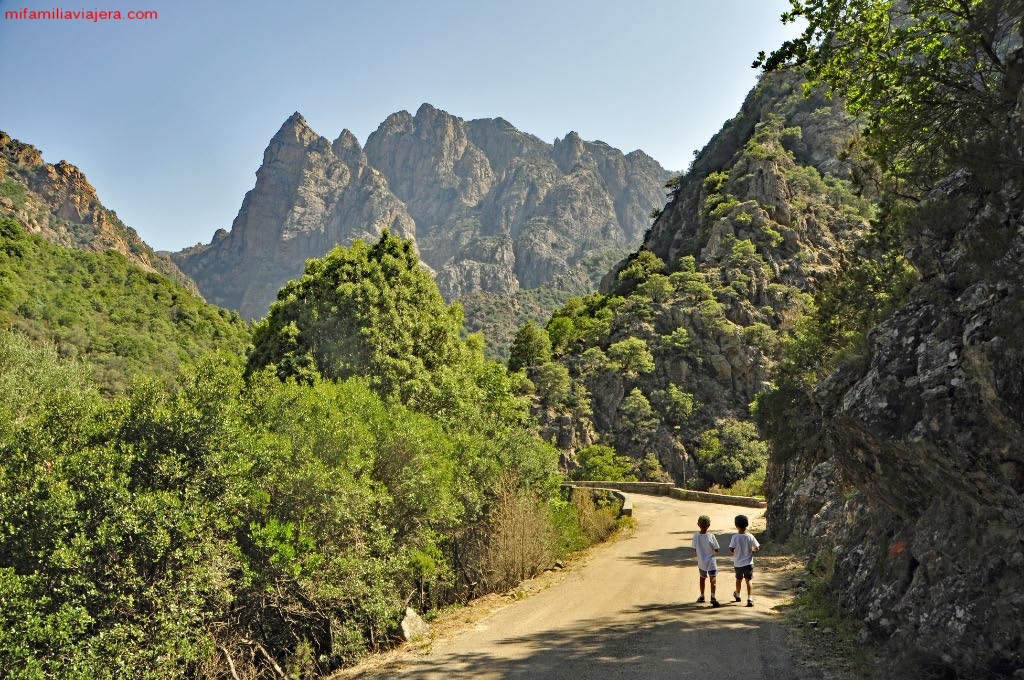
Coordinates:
530	347
730	451
934	78
552	382
603	463
638	424
370	310
632	356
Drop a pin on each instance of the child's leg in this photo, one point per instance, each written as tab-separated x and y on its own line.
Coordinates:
748	587
713	579
702	579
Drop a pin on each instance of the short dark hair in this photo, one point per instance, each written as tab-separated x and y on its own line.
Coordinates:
742	522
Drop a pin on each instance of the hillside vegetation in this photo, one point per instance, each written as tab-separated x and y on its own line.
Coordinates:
665	361
276	515
101	308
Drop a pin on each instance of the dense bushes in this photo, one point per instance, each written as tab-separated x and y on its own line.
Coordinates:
234	521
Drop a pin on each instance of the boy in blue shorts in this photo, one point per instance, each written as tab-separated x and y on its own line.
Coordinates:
743	546
706	546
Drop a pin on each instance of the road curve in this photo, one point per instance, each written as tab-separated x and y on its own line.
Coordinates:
629	612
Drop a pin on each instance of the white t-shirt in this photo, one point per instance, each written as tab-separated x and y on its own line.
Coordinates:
742	546
705	545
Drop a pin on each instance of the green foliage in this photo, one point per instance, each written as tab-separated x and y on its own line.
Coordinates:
762	336
364	310
156	534
582	320
644	265
122	320
15	192
632	356
677	342
371	310
751	486
109	513
531	347
675	405
552	383
499	317
603	463
929	76
742	252
730	451
657	288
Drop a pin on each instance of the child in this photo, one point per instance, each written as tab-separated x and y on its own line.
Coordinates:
742	546
706	546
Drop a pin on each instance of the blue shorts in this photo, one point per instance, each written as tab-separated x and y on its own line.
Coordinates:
709	572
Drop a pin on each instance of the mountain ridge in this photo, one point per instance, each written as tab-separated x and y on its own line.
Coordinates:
56	201
491	209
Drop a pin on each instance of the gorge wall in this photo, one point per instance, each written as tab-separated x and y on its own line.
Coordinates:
765	215
911	488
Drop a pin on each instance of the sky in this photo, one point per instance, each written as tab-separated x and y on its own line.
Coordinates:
169	116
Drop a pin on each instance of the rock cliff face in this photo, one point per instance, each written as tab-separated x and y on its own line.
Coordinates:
492	210
914	492
310	195
764	216
58	202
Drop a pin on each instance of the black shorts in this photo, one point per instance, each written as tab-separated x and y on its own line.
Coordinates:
746	572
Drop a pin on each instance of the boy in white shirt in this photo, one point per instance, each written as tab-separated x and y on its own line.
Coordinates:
706	546
742	546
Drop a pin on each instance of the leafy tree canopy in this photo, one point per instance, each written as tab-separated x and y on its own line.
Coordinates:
933	77
531	347
371	310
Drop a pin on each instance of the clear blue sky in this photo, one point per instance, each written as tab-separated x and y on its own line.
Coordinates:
169	117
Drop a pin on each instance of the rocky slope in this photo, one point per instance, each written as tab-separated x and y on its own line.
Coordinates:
57	202
492	209
911	488
763	217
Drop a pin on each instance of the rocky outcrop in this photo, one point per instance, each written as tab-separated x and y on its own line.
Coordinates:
310	195
58	202
492	209
912	488
921	497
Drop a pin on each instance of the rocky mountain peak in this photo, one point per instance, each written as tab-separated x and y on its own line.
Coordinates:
569	151
400	121
295	129
487	204
347	148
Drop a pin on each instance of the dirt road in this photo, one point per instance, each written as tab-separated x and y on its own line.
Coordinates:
628	612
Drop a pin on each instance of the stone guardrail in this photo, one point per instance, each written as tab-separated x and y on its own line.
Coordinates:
627	504
667	489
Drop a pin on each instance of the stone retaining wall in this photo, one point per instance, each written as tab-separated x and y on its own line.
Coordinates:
667	489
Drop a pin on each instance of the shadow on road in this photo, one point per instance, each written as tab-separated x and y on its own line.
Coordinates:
642	643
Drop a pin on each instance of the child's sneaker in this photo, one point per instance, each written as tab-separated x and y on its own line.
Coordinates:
736	597
750	602
700	600
714	602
